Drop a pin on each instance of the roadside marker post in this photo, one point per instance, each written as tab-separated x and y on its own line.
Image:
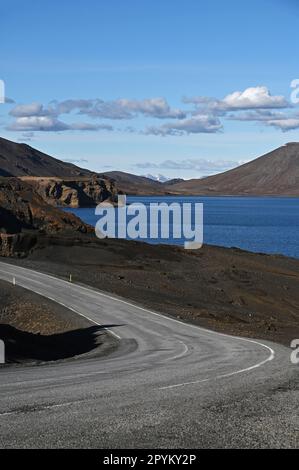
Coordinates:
2	352
13	281
71	278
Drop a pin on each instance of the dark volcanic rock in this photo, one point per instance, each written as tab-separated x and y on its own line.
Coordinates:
23	160
81	192
59	183
24	214
16	245
230	290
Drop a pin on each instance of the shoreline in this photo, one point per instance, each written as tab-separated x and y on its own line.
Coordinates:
227	225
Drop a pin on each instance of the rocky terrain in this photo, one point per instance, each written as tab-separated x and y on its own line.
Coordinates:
35	329
24	216
81	192
228	290
65	184
225	289
58	183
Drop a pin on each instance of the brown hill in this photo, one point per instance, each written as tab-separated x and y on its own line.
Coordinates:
130	184
23	160
59	183
276	174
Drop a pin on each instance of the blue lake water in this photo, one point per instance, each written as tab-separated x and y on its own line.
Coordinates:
259	224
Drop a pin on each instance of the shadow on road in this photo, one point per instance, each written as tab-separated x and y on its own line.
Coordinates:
21	346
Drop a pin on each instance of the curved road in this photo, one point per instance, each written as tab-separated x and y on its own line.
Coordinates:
168	384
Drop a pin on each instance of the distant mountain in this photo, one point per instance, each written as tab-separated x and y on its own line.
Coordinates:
276	174
23	160
174	181
130	184
273	174
159	177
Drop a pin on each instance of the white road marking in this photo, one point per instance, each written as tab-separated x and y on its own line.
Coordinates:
68	307
37	409
79	313
100	293
222	376
178	356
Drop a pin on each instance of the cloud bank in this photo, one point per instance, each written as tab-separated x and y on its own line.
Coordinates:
202	166
199	114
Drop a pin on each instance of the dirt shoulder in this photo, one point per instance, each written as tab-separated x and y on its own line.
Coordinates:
227	290
36	329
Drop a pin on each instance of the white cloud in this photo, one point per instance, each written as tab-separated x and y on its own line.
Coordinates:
30	110
254	104
37	123
196	125
26	137
76	161
86	126
251	98
254	98
155	107
256	115
52	124
282	121
119	109
67	106
200	165
287	124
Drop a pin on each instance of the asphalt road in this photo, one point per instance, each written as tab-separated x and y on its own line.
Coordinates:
168	384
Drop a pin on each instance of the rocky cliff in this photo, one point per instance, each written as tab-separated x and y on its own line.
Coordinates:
59	183
24	216
81	192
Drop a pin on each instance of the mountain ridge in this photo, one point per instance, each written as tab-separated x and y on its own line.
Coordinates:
28	161
275	173
58	183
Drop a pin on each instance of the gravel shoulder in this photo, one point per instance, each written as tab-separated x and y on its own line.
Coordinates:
37	330
228	290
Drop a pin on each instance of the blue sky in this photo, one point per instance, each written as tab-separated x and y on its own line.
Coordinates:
179	88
